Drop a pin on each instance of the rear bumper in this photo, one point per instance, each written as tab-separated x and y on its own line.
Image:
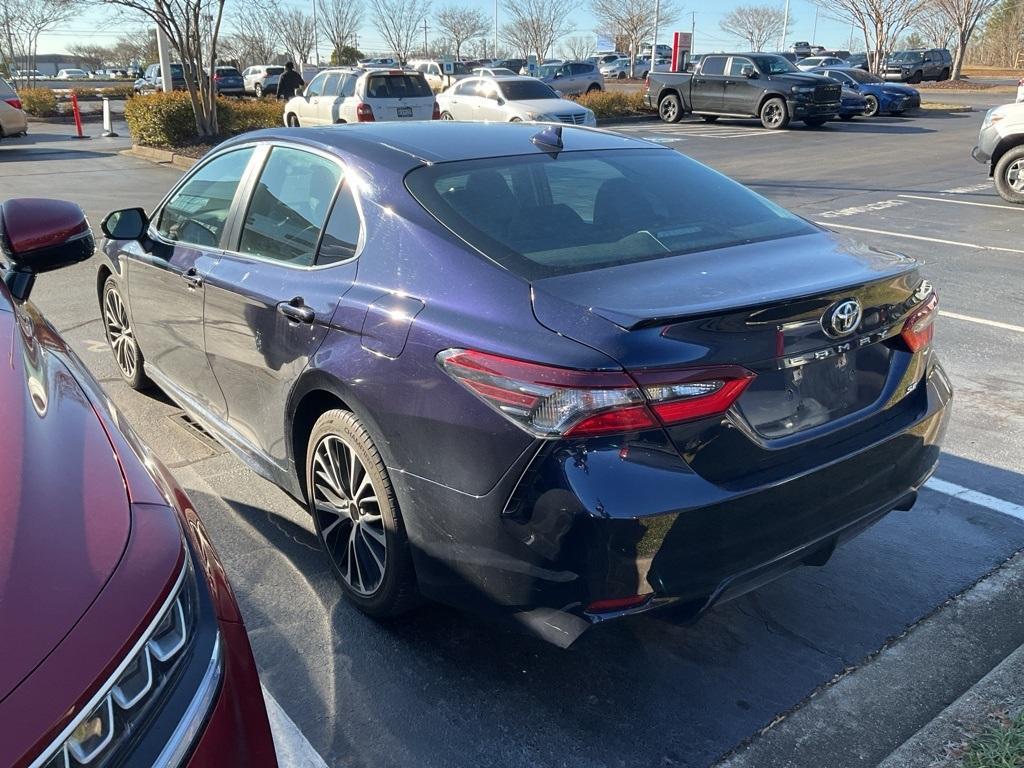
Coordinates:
629	517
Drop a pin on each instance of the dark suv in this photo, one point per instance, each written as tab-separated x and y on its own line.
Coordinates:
917	65
151	81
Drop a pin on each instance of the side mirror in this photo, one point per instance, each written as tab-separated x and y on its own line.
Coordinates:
748	71
501	101
39	235
557	75
126	224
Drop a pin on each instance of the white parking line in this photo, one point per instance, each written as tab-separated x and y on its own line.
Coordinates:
963	202
293	749
976	497
980	321
833	225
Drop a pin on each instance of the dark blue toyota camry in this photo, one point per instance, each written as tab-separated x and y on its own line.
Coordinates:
549	373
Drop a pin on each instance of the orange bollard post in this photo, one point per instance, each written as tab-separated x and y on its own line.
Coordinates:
78	116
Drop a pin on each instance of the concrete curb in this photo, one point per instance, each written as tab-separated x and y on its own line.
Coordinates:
629	120
865	715
948	109
964	718
160	156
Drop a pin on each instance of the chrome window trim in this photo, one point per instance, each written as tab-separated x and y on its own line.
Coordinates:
104	690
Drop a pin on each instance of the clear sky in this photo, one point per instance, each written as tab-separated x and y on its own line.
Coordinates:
101	26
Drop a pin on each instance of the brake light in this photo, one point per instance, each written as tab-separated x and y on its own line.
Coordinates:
436	114
364	113
16	103
920	326
547	401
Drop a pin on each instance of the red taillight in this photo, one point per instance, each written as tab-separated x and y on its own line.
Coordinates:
560	402
364	113
647	83
920	326
16	103
618	603
436	115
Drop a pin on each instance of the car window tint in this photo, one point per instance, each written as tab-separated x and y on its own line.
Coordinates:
736	65
331	84
316	87
397	86
198	211
341	235
289	206
713	65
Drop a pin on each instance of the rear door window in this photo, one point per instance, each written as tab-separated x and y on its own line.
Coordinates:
289	206
713	65
341	235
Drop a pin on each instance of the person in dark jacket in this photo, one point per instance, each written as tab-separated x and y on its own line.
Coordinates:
290	82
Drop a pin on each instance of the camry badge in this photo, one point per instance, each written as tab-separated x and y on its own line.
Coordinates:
842	319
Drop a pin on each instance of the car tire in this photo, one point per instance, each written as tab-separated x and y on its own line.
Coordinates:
515	120
117	327
293	121
621	76
916	77
447	116
872	109
944	75
594	87
1009	176
356	516
774	114
815	122
258	90
670	108
709	118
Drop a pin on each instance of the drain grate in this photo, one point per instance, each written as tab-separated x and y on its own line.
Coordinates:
197	431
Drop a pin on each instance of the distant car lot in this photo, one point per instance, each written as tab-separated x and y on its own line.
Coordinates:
455	691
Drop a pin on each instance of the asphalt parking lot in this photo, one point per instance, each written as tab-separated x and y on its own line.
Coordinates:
441	688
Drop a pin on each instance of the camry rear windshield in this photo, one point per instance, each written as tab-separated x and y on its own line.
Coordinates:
542	215
397	86
526	90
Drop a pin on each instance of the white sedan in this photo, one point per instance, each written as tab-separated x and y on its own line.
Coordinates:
510	99
815	62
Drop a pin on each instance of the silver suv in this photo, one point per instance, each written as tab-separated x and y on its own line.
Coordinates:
1001	148
261	79
572	77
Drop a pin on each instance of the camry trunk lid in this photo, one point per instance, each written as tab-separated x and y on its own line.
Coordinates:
816	320
64	513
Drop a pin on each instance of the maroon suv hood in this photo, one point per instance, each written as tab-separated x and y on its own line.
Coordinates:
64	513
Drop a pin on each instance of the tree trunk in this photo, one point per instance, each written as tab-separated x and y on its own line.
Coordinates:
958	58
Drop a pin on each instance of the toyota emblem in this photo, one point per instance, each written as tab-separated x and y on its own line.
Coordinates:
843	318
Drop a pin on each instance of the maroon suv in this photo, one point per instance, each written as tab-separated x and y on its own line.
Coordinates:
120	640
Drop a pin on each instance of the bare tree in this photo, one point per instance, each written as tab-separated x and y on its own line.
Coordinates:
632	21
935	28
256	34
461	24
340	21
881	22
92	55
963	16
298	32
22	22
577	48
535	26
193	28
757	25
399	23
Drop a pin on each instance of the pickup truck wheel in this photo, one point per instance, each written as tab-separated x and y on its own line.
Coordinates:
872	108
670	108
774	114
709	118
1009	176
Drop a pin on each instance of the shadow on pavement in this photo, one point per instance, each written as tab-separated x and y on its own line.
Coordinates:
441	688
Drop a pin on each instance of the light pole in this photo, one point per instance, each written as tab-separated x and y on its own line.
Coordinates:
654	43
495	29
785	24
316	39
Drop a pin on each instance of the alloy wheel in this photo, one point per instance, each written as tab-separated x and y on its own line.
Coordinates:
348	515
669	110
1015	175
773	114
119	333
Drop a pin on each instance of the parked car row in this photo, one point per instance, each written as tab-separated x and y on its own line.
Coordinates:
772	89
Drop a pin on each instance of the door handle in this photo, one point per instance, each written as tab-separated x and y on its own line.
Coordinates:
192	277
297	311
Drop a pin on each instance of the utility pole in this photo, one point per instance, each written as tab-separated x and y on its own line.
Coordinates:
495	29
785	24
654	43
316	38
814	30
426	51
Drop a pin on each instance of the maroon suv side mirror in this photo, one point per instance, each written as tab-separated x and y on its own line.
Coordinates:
39	235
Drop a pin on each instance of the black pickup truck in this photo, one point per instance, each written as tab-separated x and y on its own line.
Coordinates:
760	85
